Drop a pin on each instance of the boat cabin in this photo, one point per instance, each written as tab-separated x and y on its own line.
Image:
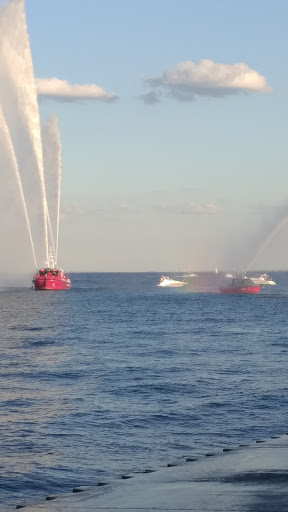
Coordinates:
240	282
45	271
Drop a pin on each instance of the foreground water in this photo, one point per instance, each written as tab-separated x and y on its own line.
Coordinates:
118	375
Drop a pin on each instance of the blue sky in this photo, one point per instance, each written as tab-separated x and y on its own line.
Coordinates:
187	181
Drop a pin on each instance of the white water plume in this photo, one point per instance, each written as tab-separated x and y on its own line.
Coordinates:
51	143
268	240
18	97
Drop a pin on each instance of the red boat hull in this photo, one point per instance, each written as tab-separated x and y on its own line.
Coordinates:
244	289
52	280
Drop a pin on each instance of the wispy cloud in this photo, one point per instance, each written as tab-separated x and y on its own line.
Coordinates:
78	210
189	208
61	90
189	79
128	208
151	97
272	210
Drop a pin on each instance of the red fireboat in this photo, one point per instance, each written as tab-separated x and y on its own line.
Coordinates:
51	278
242	285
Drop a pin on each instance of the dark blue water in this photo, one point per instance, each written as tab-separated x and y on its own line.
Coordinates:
118	375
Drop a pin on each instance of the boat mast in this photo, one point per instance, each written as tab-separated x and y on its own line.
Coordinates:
51	262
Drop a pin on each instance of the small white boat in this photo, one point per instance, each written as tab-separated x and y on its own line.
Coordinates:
262	279
190	273
229	275
167	281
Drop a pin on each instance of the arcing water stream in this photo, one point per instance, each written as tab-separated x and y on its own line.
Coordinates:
7	144
52	163
20	134
268	240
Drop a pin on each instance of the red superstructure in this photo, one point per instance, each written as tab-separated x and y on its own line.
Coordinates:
51	279
242	285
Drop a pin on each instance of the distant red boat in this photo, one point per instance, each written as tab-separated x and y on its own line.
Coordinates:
51	279
242	285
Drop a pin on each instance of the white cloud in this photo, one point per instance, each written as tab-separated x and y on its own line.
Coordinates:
61	90
188	79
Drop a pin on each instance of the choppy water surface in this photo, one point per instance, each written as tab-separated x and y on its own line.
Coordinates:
118	375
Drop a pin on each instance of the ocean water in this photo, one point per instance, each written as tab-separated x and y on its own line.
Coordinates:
118	375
